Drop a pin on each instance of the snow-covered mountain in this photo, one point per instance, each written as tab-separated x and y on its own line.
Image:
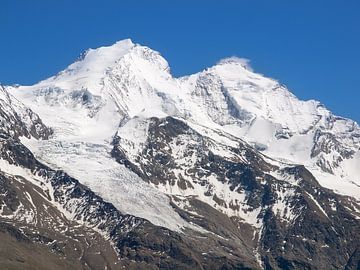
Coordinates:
110	85
225	154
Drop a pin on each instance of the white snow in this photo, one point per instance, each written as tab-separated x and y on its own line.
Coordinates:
133	136
317	204
87	102
282	207
93	166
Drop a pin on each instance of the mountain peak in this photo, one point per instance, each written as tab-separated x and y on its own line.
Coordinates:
94	65
216	156
117	48
238	61
126	41
105	55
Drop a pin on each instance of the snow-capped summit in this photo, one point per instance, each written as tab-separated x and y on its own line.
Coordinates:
243	62
222	168
110	85
92	67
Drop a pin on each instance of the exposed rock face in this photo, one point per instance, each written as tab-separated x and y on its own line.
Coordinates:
18	120
59	218
297	224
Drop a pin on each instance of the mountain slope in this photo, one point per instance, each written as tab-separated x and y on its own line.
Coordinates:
229	167
114	83
283	204
48	219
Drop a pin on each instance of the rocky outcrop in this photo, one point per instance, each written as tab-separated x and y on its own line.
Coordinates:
47	203
18	120
296	223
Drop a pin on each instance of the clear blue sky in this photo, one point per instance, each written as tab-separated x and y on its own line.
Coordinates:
312	46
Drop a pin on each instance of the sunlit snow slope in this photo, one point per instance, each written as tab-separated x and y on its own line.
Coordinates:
94	98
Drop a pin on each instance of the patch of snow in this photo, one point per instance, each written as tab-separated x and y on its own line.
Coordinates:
317	204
